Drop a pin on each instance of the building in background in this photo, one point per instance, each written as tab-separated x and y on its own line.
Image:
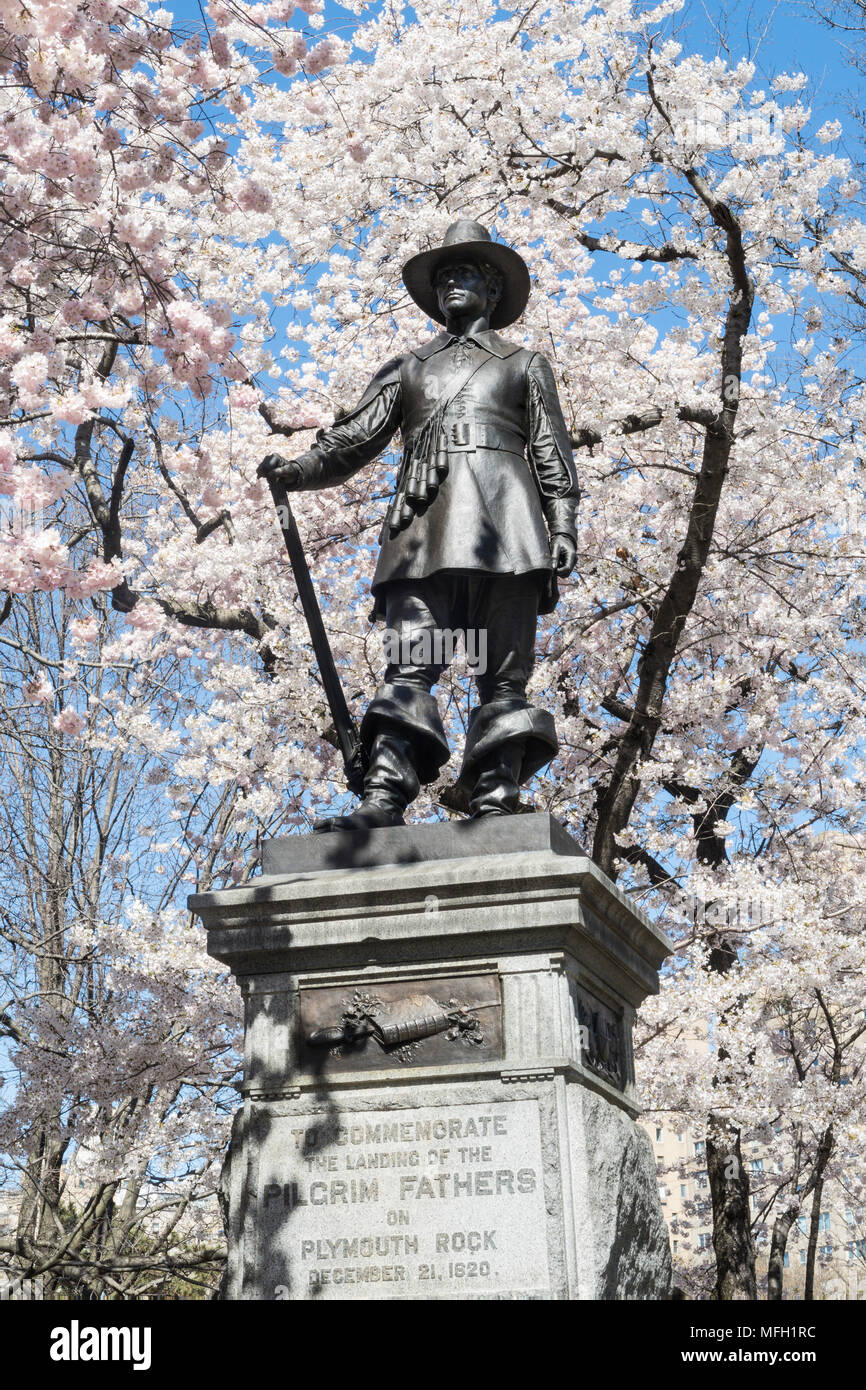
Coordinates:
840	1271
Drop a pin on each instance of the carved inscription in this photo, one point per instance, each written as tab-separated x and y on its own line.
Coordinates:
428	1203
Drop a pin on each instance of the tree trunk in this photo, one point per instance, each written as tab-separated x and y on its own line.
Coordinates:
778	1244
822	1158
812	1247
732	1227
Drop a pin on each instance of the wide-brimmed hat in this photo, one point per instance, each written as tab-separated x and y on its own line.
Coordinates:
473	241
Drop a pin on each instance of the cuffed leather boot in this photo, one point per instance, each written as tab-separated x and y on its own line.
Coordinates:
504	724
390	785
497	786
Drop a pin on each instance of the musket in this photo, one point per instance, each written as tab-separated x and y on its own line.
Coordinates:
348	738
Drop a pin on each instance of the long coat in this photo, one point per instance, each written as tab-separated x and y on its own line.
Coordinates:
510	476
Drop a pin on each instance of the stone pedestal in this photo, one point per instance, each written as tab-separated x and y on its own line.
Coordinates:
439	1089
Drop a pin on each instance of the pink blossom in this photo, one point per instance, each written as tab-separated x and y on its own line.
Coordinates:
37	691
108	96
97	575
320	57
69	722
254	197
92	307
70	409
10	341
147	617
32	489
244	397
357	148
220	49
29	372
84	631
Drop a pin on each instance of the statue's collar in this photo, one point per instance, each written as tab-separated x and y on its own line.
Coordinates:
486	339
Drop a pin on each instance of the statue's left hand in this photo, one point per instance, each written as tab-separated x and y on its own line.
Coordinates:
564	553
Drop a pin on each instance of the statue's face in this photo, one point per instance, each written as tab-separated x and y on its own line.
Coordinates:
461	290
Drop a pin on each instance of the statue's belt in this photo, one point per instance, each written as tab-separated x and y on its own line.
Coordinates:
459	436
426	455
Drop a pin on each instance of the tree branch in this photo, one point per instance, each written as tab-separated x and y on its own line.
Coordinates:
626	250
616	797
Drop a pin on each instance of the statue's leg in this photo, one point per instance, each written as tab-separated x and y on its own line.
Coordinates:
497	782
390	784
401	730
507	741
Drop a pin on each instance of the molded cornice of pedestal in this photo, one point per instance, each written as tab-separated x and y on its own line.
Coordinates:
523	900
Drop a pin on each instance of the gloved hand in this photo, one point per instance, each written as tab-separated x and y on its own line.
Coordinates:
276	469
564	552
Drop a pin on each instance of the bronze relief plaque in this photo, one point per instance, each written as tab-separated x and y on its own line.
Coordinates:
601	1038
374	1025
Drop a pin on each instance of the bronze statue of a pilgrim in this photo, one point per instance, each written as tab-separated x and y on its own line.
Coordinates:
481	525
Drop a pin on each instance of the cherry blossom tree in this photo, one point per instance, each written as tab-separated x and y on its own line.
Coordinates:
119	1032
205	231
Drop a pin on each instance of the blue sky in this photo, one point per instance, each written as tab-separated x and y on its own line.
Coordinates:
781	35
785	36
